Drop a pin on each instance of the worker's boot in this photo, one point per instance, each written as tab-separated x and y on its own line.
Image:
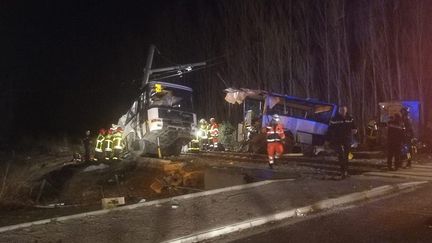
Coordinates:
271	162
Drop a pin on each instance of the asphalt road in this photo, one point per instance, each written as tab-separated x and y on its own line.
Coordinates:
405	217
160	221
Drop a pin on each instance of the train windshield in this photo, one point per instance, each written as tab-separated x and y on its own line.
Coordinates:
170	97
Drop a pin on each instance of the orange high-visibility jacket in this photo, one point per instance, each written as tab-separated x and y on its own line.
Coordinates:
214	130
275	133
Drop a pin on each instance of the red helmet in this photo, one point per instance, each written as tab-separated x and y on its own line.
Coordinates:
102	131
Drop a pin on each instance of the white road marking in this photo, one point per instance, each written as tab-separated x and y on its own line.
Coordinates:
321	205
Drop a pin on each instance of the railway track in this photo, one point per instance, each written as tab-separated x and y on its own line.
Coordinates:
322	163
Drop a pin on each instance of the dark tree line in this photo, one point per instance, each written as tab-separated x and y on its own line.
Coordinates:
356	53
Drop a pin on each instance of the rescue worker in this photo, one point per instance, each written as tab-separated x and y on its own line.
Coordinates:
87	143
108	144
117	142
99	149
408	135
341	131
275	139
395	138
372	134
203	135
194	144
253	129
214	134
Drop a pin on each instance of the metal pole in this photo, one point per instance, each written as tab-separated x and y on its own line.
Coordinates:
158	148
147	69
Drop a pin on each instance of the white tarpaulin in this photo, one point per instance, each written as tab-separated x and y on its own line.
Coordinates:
235	96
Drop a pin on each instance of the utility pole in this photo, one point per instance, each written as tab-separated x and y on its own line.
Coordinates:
148	71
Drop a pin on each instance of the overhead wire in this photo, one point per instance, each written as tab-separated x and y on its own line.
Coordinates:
175	73
179	74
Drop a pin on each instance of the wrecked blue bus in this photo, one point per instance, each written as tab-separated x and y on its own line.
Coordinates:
306	121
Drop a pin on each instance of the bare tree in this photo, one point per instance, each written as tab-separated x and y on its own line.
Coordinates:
353	52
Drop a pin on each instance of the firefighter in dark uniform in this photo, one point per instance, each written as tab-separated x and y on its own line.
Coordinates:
87	143
395	138
408	134
372	134
341	131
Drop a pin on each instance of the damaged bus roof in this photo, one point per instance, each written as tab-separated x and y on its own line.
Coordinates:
234	96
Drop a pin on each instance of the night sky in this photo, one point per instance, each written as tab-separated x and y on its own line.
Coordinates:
69	66
76	65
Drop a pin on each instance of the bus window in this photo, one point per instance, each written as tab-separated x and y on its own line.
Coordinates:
253	105
320	113
277	109
132	112
296	112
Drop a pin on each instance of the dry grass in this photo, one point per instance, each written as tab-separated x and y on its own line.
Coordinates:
14	188
21	171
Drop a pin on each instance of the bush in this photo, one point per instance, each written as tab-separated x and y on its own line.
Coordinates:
227	136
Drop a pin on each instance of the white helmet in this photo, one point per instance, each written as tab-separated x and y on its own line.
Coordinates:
276	117
202	121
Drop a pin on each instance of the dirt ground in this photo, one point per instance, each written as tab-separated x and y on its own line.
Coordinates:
50	186
46	186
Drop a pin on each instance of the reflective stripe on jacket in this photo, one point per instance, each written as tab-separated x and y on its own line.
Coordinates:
108	143
275	133
99	143
117	140
203	132
214	130
340	129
